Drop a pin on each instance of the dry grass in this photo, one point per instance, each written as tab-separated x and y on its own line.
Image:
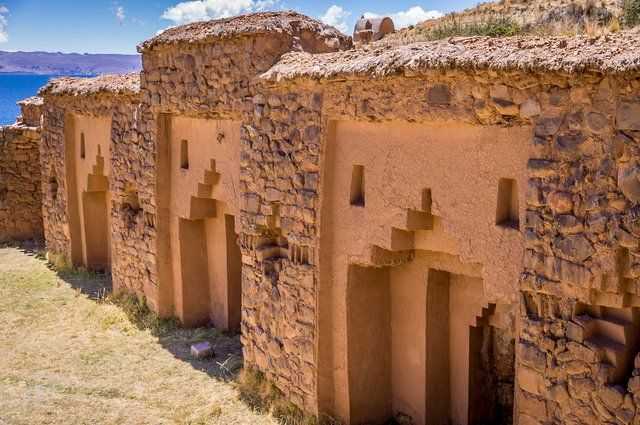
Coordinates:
262	395
68	357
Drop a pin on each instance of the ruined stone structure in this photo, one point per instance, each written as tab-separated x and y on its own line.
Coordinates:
20	190
90	215
446	231
368	30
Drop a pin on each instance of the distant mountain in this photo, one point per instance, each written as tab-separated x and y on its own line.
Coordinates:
45	63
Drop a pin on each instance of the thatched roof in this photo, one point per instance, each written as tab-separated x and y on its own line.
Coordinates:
120	84
612	54
251	24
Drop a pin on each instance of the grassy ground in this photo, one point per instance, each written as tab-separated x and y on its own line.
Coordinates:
69	354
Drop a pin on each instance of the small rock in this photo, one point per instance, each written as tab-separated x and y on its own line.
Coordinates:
202	350
596	122
611	396
548	126
439	95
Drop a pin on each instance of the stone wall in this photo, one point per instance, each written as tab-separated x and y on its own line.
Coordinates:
579	236
20	188
579	296
559	281
132	207
213	77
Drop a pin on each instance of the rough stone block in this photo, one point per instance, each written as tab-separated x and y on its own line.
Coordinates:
628	116
202	350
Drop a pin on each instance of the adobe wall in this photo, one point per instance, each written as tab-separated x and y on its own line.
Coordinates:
104	109
20	188
432	139
577	223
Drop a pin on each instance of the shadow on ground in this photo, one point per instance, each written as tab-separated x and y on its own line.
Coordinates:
175	338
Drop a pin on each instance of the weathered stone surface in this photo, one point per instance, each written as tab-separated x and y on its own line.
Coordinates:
596	122
548	126
574	247
628	116
560	202
530	108
611	396
439	95
629	181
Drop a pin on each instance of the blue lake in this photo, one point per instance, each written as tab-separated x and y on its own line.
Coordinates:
15	87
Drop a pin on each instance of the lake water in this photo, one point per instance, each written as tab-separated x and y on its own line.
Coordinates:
15	87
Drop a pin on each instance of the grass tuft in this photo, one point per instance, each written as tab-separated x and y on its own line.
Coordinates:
140	315
262	395
492	26
631	13
60	262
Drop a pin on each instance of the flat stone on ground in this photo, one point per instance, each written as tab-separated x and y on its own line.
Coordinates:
202	350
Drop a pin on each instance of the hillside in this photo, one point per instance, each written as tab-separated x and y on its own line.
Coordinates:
511	17
67	64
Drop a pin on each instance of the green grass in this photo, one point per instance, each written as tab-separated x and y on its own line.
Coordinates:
631	13
71	354
493	26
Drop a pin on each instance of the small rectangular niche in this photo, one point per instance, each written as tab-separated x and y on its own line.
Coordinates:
82	150
507	210
426	200
357	186
184	155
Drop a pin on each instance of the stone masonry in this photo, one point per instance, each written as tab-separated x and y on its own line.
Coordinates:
444	231
20	189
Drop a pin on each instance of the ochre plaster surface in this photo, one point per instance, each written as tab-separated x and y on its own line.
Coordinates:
88	180
205	194
462	166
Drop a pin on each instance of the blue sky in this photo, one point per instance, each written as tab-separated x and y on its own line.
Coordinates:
108	26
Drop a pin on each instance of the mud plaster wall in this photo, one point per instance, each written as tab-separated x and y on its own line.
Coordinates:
91	168
20	187
573	204
208	180
461	166
132	227
215	82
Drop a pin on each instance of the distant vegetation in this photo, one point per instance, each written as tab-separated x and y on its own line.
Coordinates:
526	17
493	26
631	12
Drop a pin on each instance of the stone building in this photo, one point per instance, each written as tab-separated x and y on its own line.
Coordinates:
20	190
446	231
368	30
90	158
501	173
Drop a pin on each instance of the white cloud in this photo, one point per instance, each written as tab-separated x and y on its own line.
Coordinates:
204	10
337	17
4	23
408	17
120	13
